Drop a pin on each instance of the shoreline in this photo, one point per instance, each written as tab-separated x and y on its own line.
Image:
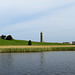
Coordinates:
43	48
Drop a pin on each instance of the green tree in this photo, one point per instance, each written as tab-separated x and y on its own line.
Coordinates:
9	37
29	42
3	37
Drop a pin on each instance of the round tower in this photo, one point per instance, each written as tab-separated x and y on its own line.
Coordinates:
41	37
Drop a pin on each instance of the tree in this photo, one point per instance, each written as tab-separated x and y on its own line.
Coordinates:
29	42
9	37
3	37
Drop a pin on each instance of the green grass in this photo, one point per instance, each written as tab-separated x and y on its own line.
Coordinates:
13	42
23	42
46	43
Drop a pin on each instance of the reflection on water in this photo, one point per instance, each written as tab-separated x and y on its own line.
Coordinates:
6	64
43	63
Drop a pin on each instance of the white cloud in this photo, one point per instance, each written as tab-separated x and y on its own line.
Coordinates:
53	24
23	7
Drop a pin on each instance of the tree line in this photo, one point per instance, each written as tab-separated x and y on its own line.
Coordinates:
9	37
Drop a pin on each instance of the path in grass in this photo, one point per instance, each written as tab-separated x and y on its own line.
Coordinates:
1	47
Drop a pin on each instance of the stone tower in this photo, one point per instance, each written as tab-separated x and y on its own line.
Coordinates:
41	37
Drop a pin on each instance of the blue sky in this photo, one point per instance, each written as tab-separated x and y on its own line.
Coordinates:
25	19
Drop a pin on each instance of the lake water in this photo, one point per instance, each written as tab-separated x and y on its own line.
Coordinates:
43	63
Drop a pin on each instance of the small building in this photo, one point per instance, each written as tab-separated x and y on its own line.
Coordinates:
66	42
73	42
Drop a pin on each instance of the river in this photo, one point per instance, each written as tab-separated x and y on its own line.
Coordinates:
42	63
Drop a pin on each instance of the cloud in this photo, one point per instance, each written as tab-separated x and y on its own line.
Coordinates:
15	13
29	17
26	7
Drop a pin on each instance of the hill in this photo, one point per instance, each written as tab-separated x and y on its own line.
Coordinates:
23	42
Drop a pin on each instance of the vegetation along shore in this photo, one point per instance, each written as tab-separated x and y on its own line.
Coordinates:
22	46
6	49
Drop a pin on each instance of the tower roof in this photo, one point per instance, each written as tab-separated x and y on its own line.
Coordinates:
41	32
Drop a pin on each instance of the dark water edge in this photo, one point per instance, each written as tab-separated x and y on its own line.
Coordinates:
42	63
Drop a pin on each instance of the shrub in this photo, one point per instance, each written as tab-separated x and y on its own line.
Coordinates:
9	37
3	37
29	42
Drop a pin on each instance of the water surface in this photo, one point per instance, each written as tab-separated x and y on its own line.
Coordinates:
43	63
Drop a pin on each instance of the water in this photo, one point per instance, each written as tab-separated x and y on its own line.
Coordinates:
43	63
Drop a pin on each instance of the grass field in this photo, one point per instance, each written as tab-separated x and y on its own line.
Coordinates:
22	42
22	46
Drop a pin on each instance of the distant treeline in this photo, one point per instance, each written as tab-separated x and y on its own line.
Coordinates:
9	37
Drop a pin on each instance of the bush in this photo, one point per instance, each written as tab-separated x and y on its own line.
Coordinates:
9	37
29	42
3	37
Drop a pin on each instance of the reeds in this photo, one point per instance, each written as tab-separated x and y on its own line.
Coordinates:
16	50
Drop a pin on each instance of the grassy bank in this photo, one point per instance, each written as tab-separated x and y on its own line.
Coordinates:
33	49
23	42
22	46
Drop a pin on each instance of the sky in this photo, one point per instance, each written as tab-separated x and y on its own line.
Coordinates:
25	19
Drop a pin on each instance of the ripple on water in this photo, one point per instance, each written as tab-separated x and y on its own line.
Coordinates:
43	63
